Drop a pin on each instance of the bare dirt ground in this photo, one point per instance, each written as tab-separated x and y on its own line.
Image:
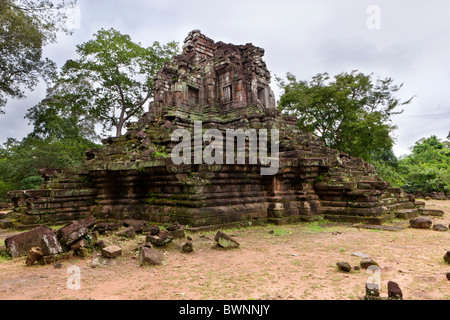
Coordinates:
292	262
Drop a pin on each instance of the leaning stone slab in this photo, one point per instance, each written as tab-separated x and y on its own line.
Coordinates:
150	256
225	241
71	233
19	245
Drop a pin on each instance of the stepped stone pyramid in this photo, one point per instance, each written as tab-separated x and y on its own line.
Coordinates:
222	86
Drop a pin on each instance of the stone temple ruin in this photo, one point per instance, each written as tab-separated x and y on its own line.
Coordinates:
223	86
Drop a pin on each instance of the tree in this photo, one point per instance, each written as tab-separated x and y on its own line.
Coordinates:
120	72
352	113
20	161
64	113
427	168
25	28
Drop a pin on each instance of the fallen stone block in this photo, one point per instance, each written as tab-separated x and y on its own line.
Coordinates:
34	255
154	230
439	227
103	227
56	257
187	247
99	261
138	225
112	251
88	222
19	245
50	244
100	244
420	223
344	266
127	233
177	234
447	257
394	291
158	240
225	241
78	245
150	256
372	292
431	212
71	233
367	262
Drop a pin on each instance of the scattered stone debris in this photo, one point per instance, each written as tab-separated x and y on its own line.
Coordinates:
159	240
139	226
373	292
344	266
367	262
100	244
225	241
447	257
129	233
420	223
57	265
104	227
176	231
187	247
154	230
34	255
440	227
361	255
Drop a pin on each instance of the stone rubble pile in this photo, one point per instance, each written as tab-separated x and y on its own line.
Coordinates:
44	245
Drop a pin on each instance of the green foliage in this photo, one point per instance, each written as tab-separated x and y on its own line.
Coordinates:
386	165
20	161
120	76
32	182
350	113
427	168
25	28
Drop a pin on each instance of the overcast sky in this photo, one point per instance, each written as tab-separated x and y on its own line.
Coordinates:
406	40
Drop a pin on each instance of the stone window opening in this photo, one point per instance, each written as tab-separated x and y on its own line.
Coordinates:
262	96
193	96
227	94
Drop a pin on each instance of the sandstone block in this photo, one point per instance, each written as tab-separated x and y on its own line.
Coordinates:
112	251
